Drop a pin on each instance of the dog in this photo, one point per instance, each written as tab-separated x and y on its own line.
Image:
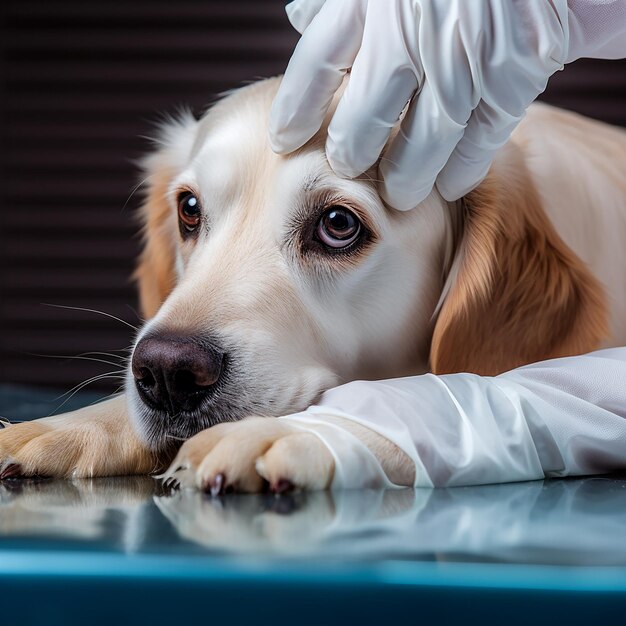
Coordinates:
267	280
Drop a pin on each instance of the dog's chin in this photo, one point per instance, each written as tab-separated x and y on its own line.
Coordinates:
160	431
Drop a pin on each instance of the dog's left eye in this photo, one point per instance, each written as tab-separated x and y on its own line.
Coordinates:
189	211
338	227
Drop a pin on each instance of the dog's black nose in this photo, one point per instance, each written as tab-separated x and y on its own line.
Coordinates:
174	373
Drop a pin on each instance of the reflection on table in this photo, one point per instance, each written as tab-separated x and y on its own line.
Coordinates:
577	522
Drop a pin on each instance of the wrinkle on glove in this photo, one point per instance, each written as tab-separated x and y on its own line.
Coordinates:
561	417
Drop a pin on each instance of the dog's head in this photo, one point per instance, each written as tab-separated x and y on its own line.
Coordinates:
268	279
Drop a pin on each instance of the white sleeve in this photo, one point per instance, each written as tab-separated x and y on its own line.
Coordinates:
562	417
597	29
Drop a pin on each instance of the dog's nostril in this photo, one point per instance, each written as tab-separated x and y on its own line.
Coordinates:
209	373
144	376
185	380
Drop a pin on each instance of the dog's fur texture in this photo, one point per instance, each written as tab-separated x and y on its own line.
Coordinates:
526	267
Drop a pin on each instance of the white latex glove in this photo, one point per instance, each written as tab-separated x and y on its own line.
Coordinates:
470	68
563	417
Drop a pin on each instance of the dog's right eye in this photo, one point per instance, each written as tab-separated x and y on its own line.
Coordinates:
189	212
338	228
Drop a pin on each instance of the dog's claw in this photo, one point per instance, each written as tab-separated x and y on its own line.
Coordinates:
4	422
12	470
282	485
216	485
171	482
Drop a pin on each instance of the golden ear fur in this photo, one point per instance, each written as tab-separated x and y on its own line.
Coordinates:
156	270
518	294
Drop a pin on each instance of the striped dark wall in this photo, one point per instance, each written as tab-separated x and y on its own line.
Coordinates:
81	83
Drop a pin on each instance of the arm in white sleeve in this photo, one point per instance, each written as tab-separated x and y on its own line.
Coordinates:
597	29
562	417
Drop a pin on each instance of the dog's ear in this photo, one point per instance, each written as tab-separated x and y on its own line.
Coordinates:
516	294
156	270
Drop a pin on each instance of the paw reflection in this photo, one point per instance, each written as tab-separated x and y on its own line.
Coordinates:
555	522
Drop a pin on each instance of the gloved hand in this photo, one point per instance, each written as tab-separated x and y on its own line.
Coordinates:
467	68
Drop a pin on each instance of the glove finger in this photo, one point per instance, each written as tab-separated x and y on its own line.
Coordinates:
325	51
382	80
425	140
301	12
487	131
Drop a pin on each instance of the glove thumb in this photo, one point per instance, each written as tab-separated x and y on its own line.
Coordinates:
302	12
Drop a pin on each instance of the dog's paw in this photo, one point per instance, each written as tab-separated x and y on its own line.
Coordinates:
255	454
40	448
95	441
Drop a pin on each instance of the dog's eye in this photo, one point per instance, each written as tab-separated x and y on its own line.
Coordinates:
189	211
338	227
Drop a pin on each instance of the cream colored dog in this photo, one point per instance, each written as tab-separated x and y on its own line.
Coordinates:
268	279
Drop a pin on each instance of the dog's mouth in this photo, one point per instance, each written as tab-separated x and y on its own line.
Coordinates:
161	430
168	419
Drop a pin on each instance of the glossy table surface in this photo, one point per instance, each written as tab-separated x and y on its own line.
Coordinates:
96	551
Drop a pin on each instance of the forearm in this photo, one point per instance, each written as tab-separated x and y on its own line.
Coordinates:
597	29
556	418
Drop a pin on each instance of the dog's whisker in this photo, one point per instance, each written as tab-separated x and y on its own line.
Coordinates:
82	386
116	393
113	374
140	319
369	180
95	360
122	359
77	357
134	190
167	436
118	375
87	310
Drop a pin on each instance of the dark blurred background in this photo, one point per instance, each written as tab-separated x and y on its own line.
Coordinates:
82	83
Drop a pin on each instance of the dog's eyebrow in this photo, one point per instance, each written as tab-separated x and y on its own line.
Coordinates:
311	182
